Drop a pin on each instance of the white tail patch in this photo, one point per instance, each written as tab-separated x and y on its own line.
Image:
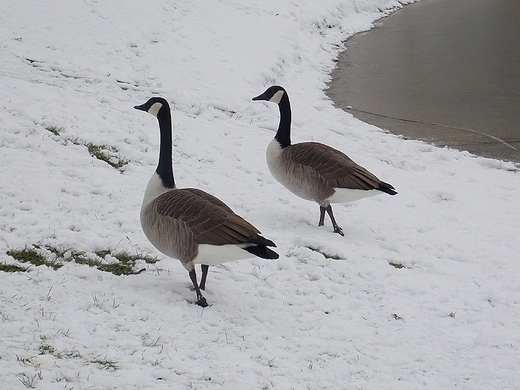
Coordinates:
218	254
343	195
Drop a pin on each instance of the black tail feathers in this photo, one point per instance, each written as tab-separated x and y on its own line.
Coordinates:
259	247
388	188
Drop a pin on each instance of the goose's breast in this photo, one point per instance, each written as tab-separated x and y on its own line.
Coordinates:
300	179
170	236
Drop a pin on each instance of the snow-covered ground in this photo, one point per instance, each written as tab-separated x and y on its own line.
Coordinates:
422	292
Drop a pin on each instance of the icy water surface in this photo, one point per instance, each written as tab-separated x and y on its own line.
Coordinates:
450	69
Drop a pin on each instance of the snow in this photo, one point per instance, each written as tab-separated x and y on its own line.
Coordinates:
444	315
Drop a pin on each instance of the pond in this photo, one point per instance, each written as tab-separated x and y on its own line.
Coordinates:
443	71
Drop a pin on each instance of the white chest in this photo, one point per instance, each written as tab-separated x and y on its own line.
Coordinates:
273	155
154	188
290	174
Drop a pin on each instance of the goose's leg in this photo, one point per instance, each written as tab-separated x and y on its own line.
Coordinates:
337	229
201	301
322	216
204	269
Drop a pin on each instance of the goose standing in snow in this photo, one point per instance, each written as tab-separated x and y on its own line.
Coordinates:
315	171
189	224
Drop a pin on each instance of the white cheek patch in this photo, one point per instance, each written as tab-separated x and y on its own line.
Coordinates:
277	97
155	109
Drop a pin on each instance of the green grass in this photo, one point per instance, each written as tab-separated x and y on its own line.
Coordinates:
34	257
54	130
12	268
47	349
29	382
108	154
106	364
324	254
397	265
55	257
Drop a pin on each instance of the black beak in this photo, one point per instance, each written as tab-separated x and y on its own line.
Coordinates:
141	107
260	97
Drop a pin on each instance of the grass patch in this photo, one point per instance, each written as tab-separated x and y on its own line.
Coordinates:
106	364
54	129
55	257
125	264
12	268
324	254
397	265
108	154
47	349
34	257
29	381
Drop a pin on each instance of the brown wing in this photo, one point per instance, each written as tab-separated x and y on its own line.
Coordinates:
210	220
336	167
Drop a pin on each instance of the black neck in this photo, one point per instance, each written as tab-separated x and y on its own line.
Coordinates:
165	168
283	135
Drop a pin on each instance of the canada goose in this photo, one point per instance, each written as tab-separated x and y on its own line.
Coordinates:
189	224
315	171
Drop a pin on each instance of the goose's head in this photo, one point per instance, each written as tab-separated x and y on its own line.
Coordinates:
272	94
154	105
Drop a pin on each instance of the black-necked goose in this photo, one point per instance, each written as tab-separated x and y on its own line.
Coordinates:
189	224
315	171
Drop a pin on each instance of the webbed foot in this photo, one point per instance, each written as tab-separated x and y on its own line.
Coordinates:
202	302
339	231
